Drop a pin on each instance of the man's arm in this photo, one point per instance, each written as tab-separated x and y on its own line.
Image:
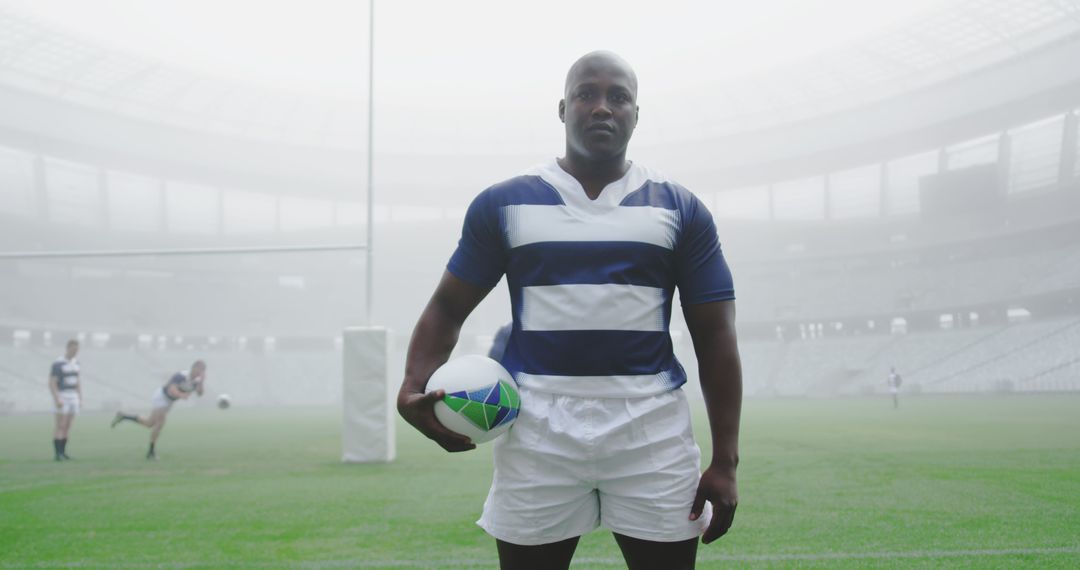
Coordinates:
433	340
54	388
712	328
175	392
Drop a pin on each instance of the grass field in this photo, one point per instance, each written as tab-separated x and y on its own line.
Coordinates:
987	482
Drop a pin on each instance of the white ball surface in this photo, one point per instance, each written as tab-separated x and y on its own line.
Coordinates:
475	376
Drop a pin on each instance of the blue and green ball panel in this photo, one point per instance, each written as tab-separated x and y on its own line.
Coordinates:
487	407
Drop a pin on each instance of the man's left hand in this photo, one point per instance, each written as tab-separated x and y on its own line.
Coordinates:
717	486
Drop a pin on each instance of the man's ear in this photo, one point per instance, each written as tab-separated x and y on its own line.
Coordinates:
637	114
562	110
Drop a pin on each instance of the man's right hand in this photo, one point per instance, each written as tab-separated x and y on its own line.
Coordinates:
418	409
59	404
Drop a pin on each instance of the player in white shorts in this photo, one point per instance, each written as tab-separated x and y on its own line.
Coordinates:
893	381
179	387
66	391
593	248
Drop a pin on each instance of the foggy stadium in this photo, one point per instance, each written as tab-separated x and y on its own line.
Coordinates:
895	188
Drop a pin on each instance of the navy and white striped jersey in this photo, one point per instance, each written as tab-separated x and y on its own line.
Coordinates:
591	281
66	373
182	383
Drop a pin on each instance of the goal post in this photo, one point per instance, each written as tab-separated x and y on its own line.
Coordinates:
367	434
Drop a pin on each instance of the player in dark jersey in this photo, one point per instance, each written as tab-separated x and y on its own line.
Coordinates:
179	387
593	248
67	395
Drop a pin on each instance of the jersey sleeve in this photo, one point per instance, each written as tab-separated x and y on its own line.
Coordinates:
480	258
57	370
702	273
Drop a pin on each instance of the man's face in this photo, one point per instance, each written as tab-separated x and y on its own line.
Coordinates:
72	350
600	109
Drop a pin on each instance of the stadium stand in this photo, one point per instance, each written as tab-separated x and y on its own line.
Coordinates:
841	267
1033	356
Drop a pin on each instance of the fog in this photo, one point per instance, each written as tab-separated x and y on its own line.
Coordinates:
893	183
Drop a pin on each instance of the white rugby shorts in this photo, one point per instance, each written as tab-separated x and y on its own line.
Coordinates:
69	403
571	464
160	400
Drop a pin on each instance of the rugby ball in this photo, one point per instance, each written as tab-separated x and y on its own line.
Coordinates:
481	401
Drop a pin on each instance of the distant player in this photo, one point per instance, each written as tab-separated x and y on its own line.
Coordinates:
67	395
179	387
893	382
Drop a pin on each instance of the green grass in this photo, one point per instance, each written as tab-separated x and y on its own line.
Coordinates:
990	482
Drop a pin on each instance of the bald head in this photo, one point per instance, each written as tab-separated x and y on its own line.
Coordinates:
596	62
599	109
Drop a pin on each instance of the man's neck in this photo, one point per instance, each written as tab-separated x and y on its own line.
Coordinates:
594	175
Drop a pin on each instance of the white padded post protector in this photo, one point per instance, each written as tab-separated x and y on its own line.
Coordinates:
367	431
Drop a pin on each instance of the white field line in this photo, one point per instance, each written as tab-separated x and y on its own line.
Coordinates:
486	562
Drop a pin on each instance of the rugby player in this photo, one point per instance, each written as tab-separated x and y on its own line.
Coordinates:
179	387
66	391
593	248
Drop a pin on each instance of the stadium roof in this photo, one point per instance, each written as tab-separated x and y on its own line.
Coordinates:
961	37
41	59
964	37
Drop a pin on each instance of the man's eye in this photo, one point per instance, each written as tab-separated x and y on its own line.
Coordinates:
584	95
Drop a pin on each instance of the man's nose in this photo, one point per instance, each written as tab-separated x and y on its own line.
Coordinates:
601	110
